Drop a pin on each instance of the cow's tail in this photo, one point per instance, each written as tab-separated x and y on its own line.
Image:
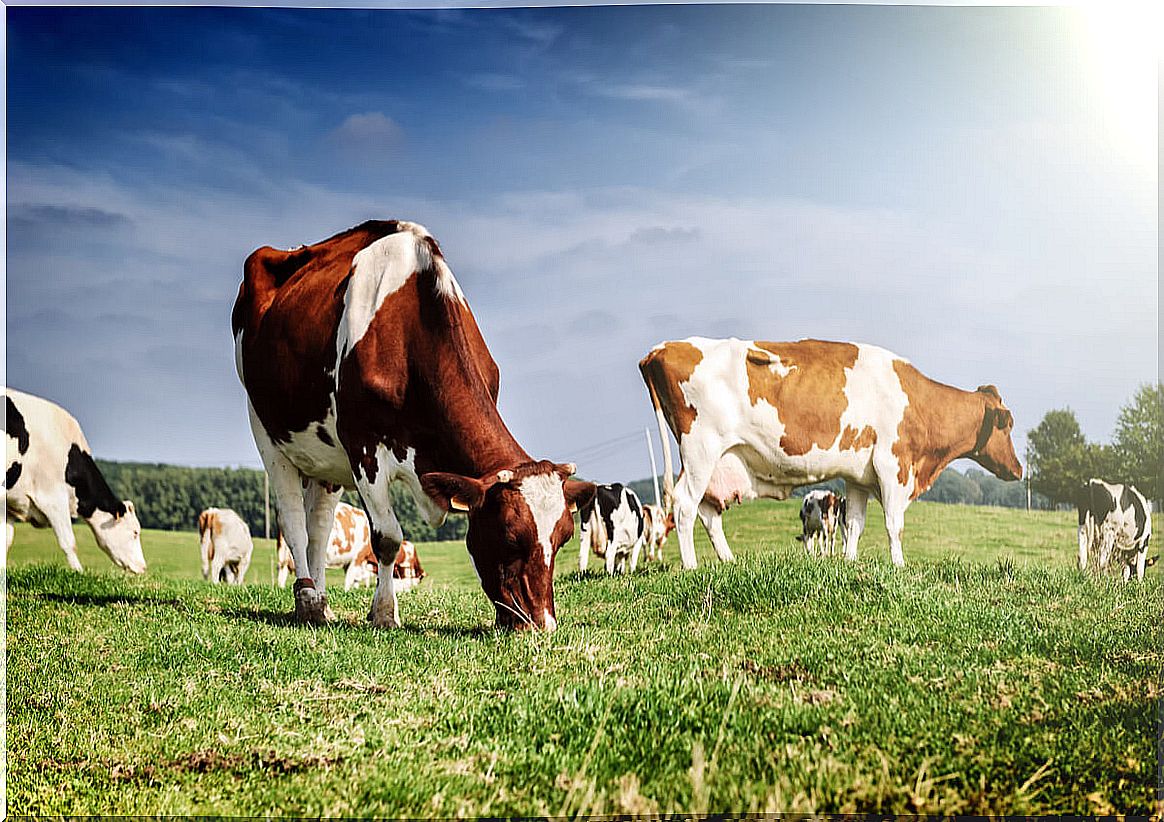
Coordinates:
206	537
668	470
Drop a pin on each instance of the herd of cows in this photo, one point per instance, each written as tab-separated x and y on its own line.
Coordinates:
363	365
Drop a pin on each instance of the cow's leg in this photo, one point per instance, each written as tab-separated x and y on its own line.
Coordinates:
320	504
854	518
9	534
697	470
583	548
611	558
712	520
635	551
243	564
56	511
1141	562
386	538
894	501
217	567
287	483
1084	539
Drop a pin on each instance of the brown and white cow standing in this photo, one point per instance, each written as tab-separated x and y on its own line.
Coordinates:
659	523
406	569
756	419
364	365
350	535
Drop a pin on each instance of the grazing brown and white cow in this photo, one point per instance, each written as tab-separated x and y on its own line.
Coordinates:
820	514
1115	525
756	419
659	523
406	569
226	546
51	477
364	365
350	535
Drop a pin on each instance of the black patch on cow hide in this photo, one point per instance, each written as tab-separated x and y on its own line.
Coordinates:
12	475
93	492
1096	500
14	425
324	437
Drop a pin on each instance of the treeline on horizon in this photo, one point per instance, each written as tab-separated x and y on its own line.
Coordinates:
170	497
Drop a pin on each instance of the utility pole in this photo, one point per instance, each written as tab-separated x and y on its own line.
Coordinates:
1028	472
654	471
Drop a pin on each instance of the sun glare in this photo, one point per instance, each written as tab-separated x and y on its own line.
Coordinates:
1122	43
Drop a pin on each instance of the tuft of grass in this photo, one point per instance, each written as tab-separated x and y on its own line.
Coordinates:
985	677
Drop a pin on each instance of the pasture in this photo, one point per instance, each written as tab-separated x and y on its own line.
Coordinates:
987	676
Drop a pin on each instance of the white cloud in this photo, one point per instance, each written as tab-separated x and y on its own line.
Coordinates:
371	130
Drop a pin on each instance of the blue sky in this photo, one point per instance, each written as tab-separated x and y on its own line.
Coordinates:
973	188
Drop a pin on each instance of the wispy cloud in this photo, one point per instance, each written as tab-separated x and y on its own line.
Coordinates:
368	130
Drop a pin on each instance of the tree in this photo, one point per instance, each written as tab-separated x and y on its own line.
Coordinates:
1061	459
1139	440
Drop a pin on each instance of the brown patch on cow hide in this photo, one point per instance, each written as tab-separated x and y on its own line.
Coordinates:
854	441
810	399
664	370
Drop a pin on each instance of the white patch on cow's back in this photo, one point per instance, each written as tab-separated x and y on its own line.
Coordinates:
547	502
238	355
378	271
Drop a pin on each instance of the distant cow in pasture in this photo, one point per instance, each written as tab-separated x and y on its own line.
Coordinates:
756	419
659	523
1115	525
821	512
612	526
363	365
51	478
406	569
226	546
350	535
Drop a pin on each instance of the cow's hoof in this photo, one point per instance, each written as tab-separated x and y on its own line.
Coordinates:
310	606
383	618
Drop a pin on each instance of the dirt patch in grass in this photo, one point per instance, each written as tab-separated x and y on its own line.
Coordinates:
792	672
200	762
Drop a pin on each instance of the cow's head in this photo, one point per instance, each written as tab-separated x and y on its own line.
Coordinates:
994	450
119	535
518	519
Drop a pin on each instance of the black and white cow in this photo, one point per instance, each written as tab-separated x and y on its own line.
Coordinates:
51	477
820	514
1115	524
612	526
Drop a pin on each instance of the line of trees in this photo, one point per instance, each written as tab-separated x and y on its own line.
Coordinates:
170	497
1061	459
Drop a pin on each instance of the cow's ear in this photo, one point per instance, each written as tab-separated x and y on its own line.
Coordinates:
579	494
453	492
129	506
1005	418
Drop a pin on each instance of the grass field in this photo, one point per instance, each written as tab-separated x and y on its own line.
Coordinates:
988	676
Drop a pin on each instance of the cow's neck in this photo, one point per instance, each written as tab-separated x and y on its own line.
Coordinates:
953	435
470	437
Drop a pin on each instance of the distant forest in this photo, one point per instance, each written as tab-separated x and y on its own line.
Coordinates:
170	497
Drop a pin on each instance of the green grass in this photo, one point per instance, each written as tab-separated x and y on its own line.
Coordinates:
986	677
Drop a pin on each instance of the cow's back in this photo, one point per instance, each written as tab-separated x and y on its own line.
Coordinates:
41	438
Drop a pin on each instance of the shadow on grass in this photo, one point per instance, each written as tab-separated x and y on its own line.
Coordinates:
99	600
286	619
